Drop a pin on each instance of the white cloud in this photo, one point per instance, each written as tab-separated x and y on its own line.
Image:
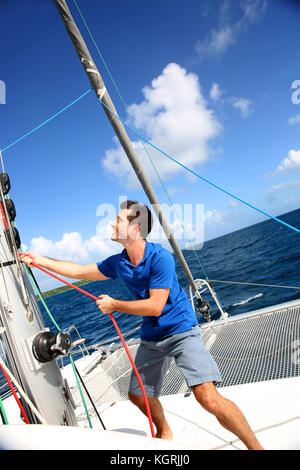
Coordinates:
216	42
276	188
291	200
294	119
215	92
243	105
175	117
72	247
215	216
290	164
172	190
281	186
233	203
226	33
254	10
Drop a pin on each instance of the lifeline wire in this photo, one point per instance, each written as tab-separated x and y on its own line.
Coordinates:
197	174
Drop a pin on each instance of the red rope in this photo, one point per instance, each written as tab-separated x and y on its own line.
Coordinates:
121	337
14	394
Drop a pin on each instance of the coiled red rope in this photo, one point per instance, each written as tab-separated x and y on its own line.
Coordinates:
120	335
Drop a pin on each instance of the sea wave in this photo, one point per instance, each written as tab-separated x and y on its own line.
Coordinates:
243	302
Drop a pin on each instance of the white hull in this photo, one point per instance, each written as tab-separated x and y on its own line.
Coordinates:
272	407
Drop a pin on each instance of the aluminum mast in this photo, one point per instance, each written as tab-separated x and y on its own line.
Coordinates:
21	321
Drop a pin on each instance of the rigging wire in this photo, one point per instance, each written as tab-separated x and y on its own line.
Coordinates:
45	122
2	164
197	174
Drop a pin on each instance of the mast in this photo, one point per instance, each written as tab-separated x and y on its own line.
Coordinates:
102	94
21	322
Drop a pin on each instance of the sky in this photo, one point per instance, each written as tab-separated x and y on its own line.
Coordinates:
215	84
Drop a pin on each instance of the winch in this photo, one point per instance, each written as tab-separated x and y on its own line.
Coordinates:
46	346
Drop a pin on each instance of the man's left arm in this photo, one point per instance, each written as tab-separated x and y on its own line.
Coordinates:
161	278
153	306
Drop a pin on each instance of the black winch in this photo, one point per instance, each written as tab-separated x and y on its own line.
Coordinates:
203	307
47	346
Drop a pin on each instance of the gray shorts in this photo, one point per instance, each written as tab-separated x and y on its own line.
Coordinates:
153	359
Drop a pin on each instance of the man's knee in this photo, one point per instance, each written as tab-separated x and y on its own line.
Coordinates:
207	396
136	399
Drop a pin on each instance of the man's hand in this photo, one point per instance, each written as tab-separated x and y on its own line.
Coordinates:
150	307
106	304
29	257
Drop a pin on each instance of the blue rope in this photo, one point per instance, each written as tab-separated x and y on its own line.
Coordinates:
199	176
46	122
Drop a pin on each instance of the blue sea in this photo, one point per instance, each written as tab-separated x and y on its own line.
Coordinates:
264	253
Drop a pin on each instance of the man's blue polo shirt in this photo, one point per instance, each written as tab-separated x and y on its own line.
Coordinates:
155	271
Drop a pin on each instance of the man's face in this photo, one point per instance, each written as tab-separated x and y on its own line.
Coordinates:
122	229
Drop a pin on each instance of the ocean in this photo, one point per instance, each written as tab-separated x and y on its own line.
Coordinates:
264	253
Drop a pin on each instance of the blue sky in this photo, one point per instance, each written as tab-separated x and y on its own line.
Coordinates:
216	84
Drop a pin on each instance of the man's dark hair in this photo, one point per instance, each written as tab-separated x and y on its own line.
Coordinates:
139	214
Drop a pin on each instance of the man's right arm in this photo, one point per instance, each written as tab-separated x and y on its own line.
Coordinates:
64	268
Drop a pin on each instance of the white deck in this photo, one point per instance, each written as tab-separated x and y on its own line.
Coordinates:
272	409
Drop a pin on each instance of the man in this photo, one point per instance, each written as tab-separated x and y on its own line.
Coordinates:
169	328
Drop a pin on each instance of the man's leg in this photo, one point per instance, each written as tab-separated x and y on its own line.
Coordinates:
227	413
162	427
